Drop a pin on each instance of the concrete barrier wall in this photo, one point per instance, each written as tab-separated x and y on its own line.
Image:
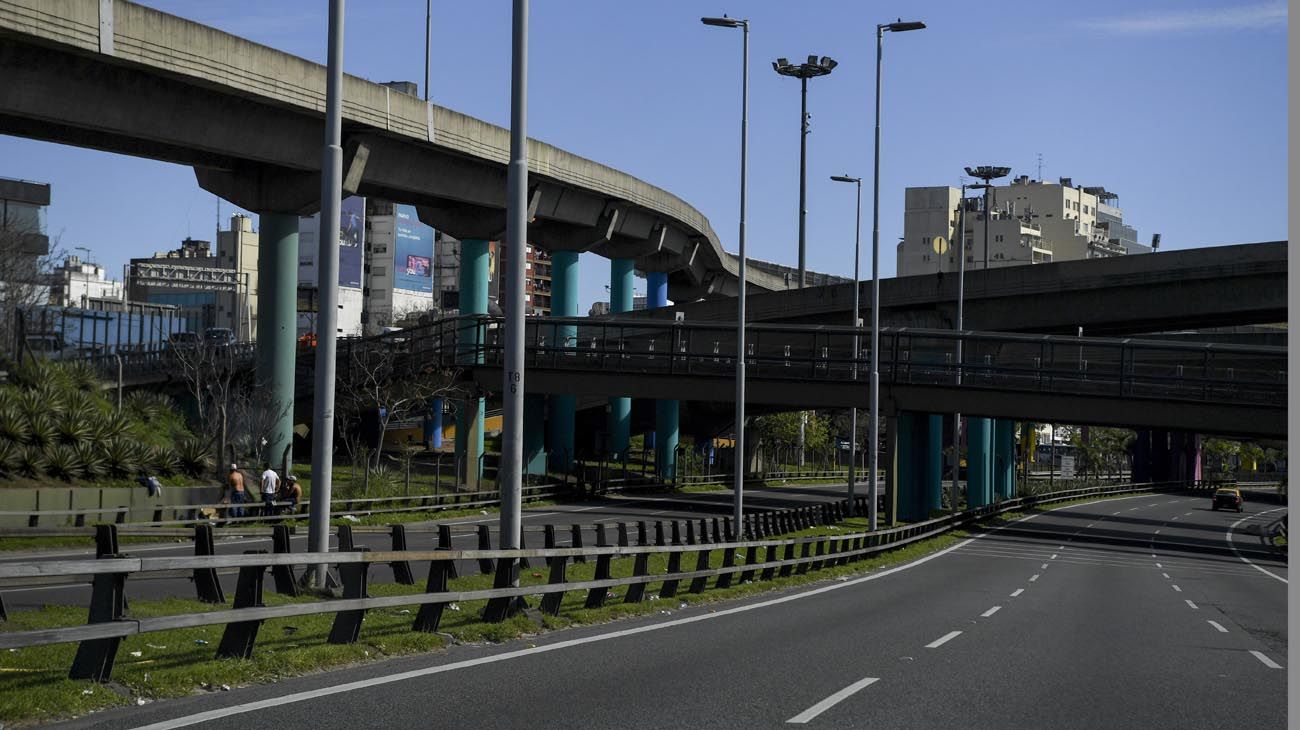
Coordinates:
142	506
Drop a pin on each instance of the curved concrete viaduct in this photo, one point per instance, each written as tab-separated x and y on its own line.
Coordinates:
121	77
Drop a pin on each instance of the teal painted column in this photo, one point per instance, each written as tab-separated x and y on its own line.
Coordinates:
561	418
1004	458
933	459
905	480
277	328
619	427
469	417
534	434
667	412
979	468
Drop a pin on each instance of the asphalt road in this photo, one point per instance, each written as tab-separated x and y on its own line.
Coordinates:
423	535
1082	617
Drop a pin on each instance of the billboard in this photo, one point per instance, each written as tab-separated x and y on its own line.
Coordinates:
413	251
352	240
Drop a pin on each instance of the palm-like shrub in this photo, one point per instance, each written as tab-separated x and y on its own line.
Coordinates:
29	462
41	430
9	451
37	371
193	457
62	462
148	405
80	375
40	401
73	428
13	425
160	459
121	457
91	459
109	426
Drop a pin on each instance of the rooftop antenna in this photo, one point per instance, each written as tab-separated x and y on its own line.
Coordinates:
1040	167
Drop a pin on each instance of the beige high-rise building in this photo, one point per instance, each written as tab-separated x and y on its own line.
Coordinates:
1030	222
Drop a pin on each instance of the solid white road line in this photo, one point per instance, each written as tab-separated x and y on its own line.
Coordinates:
1189	603
943	640
241	709
1267	662
1176	588
1017	592
1034	577
990	612
829	702
1218	626
1243	559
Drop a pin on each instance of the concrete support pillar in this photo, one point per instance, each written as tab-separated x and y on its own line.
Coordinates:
433	425
1004	458
667	412
469	417
277	328
918	465
534	434
1160	466
1142	457
561	414
979	466
620	409
891	466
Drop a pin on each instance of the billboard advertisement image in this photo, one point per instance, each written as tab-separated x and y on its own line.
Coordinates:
413	255
352	240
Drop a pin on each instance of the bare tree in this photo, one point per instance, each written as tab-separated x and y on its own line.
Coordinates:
210	374
24	286
376	377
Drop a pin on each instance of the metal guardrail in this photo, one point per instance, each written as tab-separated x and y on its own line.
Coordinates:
108	622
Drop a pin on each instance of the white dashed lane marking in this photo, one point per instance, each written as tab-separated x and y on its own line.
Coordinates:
943	640
1017	592
1218	626
1190	604
995	609
1267	662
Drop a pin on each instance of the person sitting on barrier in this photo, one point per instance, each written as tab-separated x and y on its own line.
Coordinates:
238	495
151	484
292	492
270	485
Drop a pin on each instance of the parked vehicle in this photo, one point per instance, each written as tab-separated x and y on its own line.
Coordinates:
178	340
219	336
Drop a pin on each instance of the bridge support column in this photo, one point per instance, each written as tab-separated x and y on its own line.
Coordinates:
667	412
979	467
918	463
620	409
1004	458
562	408
469	417
534	434
434	435
277	328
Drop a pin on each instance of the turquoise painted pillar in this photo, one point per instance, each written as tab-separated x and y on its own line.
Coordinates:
469	417
933	457
277	328
919	465
905	478
1004	458
620	409
667	412
564	303
534	434
979	452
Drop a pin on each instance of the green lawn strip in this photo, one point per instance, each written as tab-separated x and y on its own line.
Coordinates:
13	544
174	663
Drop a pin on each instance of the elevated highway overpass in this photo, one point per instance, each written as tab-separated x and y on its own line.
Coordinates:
1219	286
126	78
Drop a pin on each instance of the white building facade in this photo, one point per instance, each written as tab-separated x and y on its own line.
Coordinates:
1029	222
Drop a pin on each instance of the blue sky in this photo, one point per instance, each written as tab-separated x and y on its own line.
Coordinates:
1178	106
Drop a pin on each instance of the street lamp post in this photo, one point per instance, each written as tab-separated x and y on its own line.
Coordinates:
987	173
961	303
857	322
897	27
812	68
738	504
